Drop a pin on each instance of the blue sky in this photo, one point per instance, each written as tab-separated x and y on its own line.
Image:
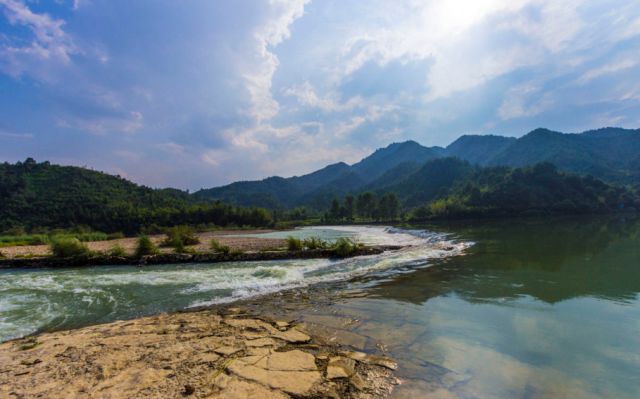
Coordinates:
201	93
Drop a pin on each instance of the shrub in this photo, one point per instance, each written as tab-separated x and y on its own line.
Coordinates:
145	247
66	247
117	250
179	248
217	247
315	243
294	244
180	236
115	236
344	247
236	252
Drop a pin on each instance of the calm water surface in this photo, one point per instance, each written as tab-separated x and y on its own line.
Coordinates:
511	309
535	309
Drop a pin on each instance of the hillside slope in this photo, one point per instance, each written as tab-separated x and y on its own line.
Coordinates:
44	195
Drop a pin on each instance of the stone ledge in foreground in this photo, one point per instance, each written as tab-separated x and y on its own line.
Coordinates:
198	354
173	258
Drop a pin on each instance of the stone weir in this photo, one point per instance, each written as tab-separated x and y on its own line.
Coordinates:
203	354
173	258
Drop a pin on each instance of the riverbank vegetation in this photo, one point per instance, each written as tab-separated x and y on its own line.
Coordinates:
145	247
342	247
66	247
450	188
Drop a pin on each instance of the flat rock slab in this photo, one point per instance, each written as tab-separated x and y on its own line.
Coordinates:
196	354
295	360
235	388
300	383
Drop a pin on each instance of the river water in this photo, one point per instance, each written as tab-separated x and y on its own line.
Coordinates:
509	309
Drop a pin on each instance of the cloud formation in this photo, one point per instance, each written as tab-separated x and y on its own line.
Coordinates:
202	94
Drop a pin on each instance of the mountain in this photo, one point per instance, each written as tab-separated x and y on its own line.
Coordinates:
610	154
35	195
317	189
275	192
478	149
533	190
434	179
387	158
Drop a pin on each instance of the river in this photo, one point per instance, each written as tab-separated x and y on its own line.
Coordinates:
531	308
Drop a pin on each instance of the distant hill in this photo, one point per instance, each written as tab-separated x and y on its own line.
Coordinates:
478	149
44	195
533	190
318	188
385	159
610	154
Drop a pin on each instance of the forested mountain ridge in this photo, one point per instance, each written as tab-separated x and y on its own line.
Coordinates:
495	178
44	195
610	154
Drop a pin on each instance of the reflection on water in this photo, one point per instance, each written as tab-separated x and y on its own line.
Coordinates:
536	309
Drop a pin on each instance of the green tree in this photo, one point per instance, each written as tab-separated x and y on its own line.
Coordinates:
349	207
366	205
389	206
334	212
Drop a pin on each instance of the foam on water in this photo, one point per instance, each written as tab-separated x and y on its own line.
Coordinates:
44	299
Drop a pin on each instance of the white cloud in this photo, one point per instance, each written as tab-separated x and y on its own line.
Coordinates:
607	69
524	101
267	36
306	95
50	44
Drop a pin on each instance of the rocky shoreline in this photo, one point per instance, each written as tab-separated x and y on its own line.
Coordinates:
203	354
173	258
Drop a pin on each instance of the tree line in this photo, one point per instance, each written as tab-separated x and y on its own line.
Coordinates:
365	206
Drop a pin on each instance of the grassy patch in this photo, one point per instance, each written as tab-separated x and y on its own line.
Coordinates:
65	247
315	243
344	247
180	236
18	240
145	247
217	247
117	250
294	244
21	240
180	248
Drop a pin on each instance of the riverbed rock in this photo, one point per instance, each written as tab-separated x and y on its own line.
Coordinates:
371	359
295	360
239	389
300	383
340	367
293	336
195	354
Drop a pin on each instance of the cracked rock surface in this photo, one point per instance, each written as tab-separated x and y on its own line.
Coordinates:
201	354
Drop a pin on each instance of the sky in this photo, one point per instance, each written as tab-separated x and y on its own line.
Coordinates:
196	94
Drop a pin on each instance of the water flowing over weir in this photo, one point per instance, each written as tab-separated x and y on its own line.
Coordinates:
39	300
